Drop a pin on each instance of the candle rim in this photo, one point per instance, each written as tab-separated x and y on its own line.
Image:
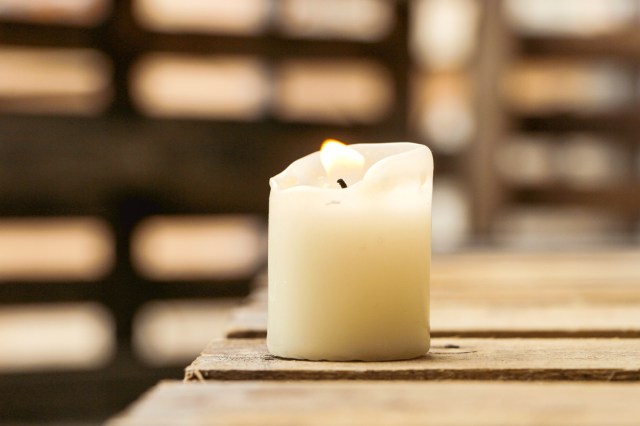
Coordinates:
409	148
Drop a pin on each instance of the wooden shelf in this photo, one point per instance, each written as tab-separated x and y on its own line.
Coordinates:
549	330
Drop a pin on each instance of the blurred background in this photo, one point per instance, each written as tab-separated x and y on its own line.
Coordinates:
137	138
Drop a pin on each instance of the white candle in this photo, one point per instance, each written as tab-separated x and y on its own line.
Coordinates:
349	267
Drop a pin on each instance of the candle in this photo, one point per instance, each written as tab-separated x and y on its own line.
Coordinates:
350	253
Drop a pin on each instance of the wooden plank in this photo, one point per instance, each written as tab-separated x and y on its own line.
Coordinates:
377	403
490	294
485	319
615	267
448	359
611	276
544	320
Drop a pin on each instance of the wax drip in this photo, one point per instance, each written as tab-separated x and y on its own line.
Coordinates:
342	183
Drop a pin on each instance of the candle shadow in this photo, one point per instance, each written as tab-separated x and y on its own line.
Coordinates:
450	349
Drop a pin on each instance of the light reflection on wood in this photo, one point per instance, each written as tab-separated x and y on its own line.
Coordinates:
71	81
54	249
208	16
200	86
199	247
61	336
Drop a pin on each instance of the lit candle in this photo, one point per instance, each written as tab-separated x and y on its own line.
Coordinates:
350	253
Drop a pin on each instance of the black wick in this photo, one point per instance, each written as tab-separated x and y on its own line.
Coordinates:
342	183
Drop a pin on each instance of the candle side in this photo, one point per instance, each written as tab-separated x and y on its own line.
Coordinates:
349	268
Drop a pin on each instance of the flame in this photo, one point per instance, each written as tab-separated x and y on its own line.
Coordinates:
340	161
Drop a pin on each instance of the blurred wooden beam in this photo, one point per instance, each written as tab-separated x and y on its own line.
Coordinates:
46	35
484	184
21	292
270	44
623	122
623	199
622	46
190	164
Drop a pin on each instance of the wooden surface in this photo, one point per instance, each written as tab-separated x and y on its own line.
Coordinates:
384	403
528	339
492	294
449	358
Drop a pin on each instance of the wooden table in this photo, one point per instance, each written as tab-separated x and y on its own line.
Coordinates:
518	339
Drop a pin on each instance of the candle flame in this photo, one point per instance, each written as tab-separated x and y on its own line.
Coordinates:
338	159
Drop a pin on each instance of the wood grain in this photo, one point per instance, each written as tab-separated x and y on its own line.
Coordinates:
384	403
448	359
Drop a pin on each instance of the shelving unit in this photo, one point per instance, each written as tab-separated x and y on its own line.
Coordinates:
619	125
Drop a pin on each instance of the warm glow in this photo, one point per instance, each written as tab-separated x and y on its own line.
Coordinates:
340	161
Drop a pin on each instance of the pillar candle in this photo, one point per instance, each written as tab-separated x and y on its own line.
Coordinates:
350	252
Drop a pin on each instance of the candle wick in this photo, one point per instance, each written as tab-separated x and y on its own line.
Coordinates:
342	183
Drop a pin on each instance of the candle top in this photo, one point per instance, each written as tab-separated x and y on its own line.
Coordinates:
368	165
